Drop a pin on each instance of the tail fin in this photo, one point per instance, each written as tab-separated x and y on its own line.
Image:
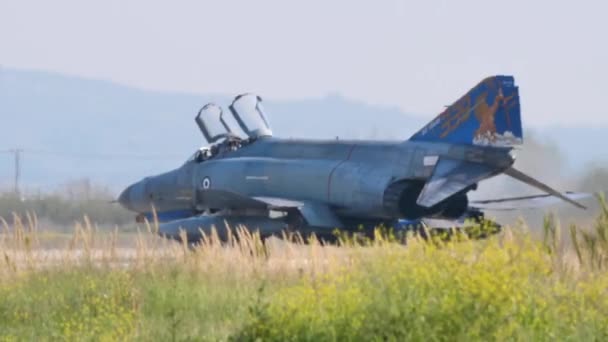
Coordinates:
488	115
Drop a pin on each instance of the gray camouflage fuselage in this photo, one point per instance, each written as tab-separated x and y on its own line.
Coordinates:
273	184
358	179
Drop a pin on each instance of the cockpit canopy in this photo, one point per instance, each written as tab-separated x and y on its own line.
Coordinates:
249	113
200	155
226	146
246	110
211	122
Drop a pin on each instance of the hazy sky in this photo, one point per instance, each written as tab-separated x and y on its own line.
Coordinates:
415	55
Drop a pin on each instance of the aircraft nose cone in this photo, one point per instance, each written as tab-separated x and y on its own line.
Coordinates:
125	197
134	197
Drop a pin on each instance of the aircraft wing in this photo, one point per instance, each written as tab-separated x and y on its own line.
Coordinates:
527	202
320	215
221	199
315	213
279	203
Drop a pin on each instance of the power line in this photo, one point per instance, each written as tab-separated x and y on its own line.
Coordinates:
95	155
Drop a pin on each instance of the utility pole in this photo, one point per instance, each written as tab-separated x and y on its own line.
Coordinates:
17	153
17	170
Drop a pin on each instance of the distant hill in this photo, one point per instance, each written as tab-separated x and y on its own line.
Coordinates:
72	127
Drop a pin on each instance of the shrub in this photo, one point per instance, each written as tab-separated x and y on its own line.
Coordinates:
499	289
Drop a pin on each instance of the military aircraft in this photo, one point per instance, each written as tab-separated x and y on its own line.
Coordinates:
248	177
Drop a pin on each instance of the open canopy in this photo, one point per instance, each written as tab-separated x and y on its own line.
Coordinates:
246	110
211	123
249	113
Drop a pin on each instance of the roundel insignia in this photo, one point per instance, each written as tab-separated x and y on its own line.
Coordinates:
206	183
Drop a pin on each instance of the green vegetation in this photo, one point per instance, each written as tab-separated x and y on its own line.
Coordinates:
102	304
63	211
498	291
71	304
508	287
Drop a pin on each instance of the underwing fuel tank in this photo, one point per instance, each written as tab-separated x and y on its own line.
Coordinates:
194	227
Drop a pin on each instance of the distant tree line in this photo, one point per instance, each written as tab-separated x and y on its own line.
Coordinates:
67	205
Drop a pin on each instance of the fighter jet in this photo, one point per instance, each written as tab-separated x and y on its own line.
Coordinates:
247	177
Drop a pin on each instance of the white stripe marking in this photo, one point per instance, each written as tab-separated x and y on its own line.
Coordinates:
430	160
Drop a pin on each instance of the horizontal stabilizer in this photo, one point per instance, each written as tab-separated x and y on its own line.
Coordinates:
522	177
526	202
450	177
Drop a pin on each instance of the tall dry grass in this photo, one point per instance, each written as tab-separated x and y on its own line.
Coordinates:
510	286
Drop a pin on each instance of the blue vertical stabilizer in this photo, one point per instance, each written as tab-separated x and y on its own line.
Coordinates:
488	115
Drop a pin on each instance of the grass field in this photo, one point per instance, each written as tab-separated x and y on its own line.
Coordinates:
509	287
